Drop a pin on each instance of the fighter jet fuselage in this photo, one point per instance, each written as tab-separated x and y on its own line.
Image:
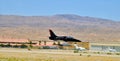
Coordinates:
64	38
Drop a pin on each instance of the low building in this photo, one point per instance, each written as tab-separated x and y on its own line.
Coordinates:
104	47
14	41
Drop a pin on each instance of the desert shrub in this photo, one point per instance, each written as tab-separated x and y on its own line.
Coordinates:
29	48
8	45
30	44
109	53
2	45
85	52
117	53
54	43
76	51
23	46
36	47
40	47
60	47
15	46
46	47
88	55
98	52
80	54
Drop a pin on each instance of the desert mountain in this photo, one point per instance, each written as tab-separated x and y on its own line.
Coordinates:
82	27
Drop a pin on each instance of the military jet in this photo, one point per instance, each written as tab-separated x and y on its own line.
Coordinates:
64	38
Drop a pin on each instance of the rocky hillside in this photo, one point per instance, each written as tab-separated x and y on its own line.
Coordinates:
36	27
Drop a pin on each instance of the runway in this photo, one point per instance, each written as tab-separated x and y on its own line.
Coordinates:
56	51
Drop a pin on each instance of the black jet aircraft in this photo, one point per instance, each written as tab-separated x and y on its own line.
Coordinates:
64	38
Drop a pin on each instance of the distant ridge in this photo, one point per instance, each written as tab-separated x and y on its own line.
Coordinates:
83	27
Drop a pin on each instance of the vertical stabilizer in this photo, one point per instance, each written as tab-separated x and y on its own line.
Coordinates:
52	34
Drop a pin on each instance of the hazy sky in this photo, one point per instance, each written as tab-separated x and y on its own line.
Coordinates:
108	9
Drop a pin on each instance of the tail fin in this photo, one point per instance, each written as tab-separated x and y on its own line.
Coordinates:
52	34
